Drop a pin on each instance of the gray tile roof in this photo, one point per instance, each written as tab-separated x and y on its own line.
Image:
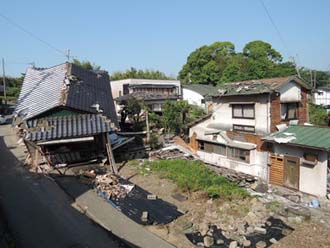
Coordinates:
65	85
64	127
41	90
203	89
259	86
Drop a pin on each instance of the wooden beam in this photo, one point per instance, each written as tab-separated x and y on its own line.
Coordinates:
111	158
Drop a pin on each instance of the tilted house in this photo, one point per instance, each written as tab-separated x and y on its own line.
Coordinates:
243	113
66	112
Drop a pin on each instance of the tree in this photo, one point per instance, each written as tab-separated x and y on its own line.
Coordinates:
318	115
87	65
322	77
134	73
218	63
176	115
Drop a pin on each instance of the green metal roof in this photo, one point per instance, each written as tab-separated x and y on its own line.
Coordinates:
307	136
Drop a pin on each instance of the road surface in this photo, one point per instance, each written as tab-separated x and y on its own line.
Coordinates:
38	212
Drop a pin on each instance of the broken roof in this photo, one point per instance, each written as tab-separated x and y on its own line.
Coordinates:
202	89
65	127
65	85
258	86
305	136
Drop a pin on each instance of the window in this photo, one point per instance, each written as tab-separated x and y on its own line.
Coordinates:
289	111
157	107
201	145
239	154
220	149
244	128
208	147
310	157
245	111
212	148
202	101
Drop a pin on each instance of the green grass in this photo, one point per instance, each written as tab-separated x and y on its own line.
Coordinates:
194	176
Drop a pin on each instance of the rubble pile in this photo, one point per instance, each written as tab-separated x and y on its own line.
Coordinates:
243	180
170	153
212	236
110	186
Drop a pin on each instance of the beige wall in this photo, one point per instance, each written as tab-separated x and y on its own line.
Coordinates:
312	179
222	113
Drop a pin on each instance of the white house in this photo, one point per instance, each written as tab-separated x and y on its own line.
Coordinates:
153	92
243	113
199	95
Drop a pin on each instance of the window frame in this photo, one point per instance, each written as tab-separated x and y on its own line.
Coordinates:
287	111
238	158
242	130
242	111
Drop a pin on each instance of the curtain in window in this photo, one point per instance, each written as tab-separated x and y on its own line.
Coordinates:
292	111
248	111
237	110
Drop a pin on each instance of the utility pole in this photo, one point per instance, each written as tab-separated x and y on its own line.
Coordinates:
315	79
68	55
4	80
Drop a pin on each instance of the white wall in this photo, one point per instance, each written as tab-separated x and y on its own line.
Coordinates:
290	92
117	85
222	113
257	166
322	97
312	179
192	97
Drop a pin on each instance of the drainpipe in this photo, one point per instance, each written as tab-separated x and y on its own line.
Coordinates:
269	121
269	112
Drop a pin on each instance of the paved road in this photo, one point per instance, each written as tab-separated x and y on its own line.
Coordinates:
38	212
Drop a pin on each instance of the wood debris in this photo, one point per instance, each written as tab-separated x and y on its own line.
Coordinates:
110	186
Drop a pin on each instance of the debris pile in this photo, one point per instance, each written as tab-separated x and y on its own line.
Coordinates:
170	153
242	179
212	236
110	186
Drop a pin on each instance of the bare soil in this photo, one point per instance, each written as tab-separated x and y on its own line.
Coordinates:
230	216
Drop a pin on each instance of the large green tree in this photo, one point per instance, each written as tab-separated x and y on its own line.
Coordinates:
135	73
87	65
219	63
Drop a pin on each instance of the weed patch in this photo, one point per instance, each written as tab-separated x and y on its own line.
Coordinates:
193	176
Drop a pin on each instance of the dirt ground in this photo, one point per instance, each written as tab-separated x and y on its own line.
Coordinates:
230	216
306	235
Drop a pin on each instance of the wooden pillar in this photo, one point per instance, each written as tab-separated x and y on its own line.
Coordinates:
111	158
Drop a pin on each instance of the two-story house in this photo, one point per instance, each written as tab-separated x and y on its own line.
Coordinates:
153	92
244	112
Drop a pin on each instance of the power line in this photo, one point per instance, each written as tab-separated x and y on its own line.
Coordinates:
280	36
275	26
10	21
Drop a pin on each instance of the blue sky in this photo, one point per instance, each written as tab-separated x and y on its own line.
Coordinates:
158	34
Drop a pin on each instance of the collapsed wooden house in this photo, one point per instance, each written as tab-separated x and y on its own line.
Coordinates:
66	114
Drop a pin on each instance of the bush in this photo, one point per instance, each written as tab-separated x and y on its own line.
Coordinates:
193	176
154	141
